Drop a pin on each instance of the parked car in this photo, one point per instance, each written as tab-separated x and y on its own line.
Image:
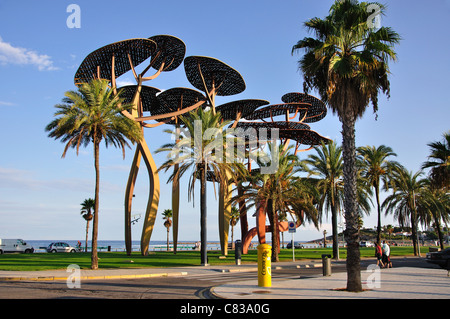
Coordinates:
296	245
60	247
366	244
440	258
15	246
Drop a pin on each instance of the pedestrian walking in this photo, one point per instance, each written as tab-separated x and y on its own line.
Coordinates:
386	255
379	255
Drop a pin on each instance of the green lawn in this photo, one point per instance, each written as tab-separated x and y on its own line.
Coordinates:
46	261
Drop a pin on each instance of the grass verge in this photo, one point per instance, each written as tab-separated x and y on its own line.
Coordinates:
47	261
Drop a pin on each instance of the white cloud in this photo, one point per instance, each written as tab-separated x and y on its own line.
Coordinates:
3	103
21	56
125	82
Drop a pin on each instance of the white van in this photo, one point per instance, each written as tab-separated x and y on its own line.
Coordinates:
15	246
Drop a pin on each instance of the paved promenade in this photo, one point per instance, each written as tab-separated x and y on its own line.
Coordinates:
393	283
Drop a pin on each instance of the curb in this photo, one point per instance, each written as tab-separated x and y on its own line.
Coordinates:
312	265
53	278
136	276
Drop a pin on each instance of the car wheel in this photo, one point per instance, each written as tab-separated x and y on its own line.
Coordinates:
27	251
53	251
72	251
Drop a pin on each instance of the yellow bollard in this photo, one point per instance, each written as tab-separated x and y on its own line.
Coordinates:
264	270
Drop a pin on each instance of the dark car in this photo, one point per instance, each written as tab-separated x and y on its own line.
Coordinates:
441	258
296	245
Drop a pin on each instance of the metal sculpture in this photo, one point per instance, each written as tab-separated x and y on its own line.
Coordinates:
212	78
308	109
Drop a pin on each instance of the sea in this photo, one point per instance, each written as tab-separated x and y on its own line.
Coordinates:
119	245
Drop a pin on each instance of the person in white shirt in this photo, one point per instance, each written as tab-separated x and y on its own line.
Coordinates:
386	255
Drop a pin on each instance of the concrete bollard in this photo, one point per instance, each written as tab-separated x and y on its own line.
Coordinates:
326	265
237	252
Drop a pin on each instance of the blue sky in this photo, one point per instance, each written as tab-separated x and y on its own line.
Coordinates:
40	193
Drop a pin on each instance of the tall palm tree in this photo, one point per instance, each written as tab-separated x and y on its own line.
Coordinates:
167	215
87	212
327	165
234	218
439	162
347	63
200	149
407	189
92	115
375	167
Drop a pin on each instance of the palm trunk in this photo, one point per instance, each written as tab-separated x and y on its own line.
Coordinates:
414	226
350	203
203	240
377	195
414	233
232	237
94	256
168	231
439	231
274	221
335	232
87	232
242	214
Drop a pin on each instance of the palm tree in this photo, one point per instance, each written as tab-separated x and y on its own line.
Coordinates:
328	166
439	162
282	217
167	215
279	192
375	167
87	212
403	202
204	138
433	207
235	214
92	115
347	63
389	229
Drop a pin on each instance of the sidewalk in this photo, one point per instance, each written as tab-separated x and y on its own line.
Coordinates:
395	283
392	283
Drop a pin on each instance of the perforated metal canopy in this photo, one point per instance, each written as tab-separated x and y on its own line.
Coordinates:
148	95
205	71
230	110
269	125
98	64
316	111
175	99
304	137
298	110
298	132
170	50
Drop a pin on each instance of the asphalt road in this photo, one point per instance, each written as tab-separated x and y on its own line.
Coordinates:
180	287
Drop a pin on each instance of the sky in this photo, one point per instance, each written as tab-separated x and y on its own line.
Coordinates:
41	49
